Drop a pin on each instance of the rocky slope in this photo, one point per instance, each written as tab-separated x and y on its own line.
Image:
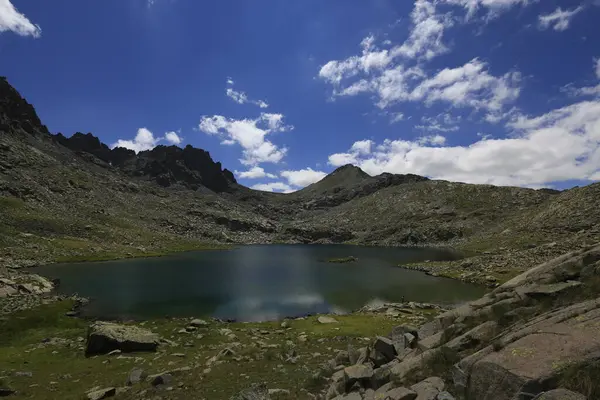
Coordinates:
68	198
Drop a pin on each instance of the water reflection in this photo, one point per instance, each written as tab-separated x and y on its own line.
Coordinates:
255	283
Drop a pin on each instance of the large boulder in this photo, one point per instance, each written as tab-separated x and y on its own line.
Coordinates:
104	337
560	394
428	389
530	359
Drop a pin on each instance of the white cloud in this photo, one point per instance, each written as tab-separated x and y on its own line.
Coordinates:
399	74
173	138
303	177
585	91
435	140
559	19
273	187
242	97
12	20
339	159
250	134
561	145
255	172
396	117
443	122
145	140
362	147
494	7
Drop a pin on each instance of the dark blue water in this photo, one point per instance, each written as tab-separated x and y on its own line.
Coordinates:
253	283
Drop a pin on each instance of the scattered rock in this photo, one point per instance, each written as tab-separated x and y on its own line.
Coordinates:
162	379
198	323
560	394
104	337
400	393
101	393
327	320
428	389
444	396
285	324
357	373
135	376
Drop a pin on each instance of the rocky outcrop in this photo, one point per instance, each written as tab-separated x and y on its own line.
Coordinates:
166	165
104	337
16	113
518	342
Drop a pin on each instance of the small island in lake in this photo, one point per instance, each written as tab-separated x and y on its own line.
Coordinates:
343	260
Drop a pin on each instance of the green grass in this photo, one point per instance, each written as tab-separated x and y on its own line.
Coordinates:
21	349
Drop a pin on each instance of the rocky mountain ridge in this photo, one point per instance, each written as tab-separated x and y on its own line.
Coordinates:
75	198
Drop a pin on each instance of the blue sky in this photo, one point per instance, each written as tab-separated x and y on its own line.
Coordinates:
505	92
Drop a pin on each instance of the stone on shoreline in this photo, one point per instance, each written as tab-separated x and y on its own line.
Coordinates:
104	337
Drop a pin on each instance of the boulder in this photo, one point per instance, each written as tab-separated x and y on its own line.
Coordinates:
104	337
327	320
444	396
400	393
135	376
358	373
385	347
537	291
527	359
560	394
101	393
411	364
480	334
342	358
429	388
198	323
162	379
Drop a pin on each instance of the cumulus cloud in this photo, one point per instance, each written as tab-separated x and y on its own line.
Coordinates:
398	74
597	67
241	97
255	172
302	177
559	20
173	138
145	140
273	187
560	145
12	20
250	134
443	122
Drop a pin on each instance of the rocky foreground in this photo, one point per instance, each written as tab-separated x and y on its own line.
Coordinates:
533	337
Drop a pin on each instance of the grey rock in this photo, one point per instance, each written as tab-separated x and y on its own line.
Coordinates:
385	347
162	379
101	393
444	396
136	375
104	337
560	394
429	388
327	320
400	393
357	373
198	323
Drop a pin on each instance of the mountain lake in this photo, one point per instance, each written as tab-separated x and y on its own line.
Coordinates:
257	282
